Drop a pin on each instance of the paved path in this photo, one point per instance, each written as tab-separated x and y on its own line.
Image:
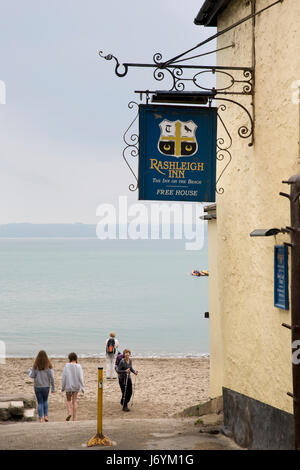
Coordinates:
127	434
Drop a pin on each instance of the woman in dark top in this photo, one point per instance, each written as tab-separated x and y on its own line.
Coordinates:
124	369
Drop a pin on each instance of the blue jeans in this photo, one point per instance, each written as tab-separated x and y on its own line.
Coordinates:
42	394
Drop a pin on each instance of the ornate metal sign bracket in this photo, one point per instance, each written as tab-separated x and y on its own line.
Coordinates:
224	143
237	81
131	140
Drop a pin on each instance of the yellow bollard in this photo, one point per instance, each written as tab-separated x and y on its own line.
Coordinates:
99	439
100	401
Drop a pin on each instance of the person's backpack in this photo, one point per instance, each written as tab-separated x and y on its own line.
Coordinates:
118	359
110	347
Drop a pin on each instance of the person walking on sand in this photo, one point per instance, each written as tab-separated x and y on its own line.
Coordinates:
72	383
43	375
124	369
118	359
111	348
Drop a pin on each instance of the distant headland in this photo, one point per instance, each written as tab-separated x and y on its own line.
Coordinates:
28	230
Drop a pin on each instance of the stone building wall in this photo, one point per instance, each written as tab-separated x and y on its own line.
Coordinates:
255	349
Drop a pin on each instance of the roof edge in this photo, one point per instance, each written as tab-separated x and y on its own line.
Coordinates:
208	13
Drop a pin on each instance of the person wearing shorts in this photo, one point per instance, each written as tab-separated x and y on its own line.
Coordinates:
72	383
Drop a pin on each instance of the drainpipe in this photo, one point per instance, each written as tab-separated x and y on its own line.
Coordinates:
294	181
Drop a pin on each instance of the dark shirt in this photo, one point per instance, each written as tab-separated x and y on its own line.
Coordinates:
123	366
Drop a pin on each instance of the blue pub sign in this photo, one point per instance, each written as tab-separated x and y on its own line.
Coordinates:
281	282
177	160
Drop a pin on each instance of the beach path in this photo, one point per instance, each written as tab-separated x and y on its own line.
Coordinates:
163	388
126	434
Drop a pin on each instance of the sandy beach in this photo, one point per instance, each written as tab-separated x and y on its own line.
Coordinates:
162	388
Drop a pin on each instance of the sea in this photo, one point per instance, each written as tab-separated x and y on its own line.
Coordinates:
68	294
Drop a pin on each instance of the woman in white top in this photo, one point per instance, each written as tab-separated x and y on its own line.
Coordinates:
72	383
111	349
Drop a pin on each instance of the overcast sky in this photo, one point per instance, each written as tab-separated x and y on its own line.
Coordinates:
61	129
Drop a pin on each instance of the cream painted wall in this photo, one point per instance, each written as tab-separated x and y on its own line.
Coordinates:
216	334
255	355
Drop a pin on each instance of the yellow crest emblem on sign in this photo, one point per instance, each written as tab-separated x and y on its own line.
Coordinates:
178	138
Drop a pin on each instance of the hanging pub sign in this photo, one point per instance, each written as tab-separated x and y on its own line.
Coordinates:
177	160
281	282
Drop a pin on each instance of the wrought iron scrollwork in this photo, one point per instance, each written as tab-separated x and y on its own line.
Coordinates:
118	65
244	131
132	146
240	79
224	143
237	81
223	146
157	59
232	82
221	155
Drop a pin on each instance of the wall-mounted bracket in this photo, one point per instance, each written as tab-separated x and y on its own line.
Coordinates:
223	143
238	81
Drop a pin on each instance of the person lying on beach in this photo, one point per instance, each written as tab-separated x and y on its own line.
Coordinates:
72	383
42	373
124	369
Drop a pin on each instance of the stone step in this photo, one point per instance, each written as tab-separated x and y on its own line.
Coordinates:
17	407
211	406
